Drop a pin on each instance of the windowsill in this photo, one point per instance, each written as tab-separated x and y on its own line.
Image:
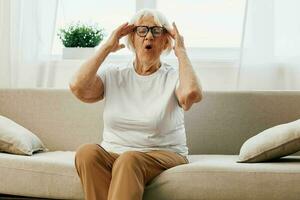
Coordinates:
202	55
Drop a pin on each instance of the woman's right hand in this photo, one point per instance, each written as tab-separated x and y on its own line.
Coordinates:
112	43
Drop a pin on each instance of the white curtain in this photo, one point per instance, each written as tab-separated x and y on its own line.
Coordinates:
270	53
26	37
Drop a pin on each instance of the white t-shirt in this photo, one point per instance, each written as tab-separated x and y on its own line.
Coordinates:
142	113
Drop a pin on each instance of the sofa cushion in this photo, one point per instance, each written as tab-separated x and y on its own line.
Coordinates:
219	177
272	143
46	174
16	139
53	175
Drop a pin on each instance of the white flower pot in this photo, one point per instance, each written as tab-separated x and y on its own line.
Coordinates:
78	53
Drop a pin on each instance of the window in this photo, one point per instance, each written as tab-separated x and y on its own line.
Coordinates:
108	14
206	23
211	28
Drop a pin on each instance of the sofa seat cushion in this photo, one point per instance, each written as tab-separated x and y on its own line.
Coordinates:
213	177
53	175
45	174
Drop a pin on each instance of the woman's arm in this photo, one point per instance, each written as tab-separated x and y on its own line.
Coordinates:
189	90
86	85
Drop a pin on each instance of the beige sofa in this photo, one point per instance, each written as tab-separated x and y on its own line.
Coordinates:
216	128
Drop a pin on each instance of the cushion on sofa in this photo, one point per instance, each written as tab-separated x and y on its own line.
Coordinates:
51	174
272	143
219	177
16	139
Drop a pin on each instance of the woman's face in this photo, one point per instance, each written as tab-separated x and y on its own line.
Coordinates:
149	47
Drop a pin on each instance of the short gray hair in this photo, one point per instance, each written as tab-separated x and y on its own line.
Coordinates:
159	18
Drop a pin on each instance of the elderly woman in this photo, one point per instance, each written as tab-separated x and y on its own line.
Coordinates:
144	108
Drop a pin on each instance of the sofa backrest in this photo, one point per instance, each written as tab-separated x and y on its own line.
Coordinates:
219	124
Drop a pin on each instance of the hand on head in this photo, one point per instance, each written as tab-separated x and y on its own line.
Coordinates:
179	41
113	41
124	29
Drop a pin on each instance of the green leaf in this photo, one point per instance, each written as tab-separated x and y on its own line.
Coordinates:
81	35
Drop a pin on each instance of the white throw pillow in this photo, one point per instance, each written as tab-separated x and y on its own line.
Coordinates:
16	139
272	143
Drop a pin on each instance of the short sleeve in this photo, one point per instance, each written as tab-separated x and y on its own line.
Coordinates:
102	75
175	76
106	74
177	84
176	79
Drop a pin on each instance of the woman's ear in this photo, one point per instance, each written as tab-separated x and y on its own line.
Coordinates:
166	44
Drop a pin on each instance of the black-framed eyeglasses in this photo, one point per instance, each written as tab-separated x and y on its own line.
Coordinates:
156	31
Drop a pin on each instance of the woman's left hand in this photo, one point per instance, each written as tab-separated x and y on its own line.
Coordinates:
179	46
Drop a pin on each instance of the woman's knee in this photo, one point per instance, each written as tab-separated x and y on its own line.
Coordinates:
87	153
129	159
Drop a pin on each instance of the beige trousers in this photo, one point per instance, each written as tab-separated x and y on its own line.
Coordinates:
106	175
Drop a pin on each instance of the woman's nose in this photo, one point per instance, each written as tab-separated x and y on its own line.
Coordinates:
149	35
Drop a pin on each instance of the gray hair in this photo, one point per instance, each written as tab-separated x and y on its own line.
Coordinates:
159	19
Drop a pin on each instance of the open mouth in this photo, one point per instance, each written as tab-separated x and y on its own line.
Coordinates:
148	46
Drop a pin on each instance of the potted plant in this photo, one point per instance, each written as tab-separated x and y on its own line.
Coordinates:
80	40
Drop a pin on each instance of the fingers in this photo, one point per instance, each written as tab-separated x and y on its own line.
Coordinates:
175	28
174	33
171	33
123	29
179	41
121	26
126	30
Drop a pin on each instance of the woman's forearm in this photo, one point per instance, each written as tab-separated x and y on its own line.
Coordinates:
86	74
187	77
